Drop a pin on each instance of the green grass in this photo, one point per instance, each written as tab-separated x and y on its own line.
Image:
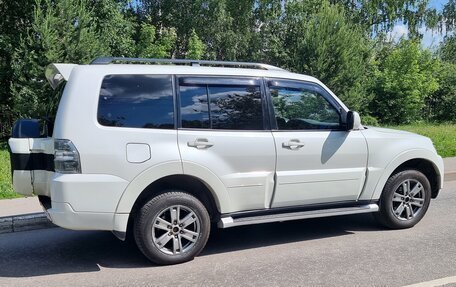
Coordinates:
6	189
443	136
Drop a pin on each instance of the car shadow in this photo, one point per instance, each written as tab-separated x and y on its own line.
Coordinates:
58	251
262	235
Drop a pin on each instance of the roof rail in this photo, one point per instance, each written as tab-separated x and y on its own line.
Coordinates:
113	60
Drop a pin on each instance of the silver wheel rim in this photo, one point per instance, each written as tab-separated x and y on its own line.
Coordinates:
408	199
175	230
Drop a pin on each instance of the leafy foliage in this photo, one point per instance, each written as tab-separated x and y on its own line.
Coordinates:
404	79
196	47
15	17
442	104
332	49
341	42
151	47
61	32
381	15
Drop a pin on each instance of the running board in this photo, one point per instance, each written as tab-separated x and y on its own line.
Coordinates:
226	222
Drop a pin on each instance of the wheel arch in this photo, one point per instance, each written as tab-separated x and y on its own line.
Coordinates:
425	161
182	182
427	168
203	185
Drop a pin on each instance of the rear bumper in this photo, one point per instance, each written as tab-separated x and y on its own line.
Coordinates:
97	193
85	201
63	215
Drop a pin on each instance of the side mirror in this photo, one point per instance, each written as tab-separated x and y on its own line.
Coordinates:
353	121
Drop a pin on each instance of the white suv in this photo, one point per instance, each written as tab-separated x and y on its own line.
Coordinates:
162	148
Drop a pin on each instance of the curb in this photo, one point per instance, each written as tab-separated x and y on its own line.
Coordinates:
24	222
39	220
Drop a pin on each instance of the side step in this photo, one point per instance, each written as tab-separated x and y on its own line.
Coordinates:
226	222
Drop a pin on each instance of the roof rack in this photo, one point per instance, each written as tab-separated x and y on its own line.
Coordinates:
114	60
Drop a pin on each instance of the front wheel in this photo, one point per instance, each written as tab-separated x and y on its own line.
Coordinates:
172	228
405	199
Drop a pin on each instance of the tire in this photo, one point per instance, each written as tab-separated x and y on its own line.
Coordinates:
411	190
165	242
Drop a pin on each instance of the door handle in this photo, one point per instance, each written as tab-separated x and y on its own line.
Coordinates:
200	143
293	144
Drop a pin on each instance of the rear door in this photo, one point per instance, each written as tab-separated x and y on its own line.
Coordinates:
32	158
223	128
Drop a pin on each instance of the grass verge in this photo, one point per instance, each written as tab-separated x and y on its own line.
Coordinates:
6	188
442	135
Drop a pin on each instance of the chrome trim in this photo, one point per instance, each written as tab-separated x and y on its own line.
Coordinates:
226	222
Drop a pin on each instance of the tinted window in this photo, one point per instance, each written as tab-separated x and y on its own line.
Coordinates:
236	107
194	107
231	107
136	101
303	108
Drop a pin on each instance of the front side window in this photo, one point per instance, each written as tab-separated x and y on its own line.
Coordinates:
303	108
225	107
136	101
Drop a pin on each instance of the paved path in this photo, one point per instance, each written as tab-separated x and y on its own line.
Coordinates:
342	251
9	207
450	164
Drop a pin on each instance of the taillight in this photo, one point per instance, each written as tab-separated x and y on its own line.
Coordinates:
66	157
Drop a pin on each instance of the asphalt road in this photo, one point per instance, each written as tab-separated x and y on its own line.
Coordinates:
337	251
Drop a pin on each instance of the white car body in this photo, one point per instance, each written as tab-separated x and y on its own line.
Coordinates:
242	170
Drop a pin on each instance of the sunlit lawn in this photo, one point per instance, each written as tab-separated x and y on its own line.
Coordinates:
443	136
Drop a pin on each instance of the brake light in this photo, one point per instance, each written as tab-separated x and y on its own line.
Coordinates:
66	157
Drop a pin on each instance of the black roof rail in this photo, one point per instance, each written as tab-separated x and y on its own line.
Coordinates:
114	60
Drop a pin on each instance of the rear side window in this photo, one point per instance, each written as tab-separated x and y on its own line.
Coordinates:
236	107
194	107
136	101
225	107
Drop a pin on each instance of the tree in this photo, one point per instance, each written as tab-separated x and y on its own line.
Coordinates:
115	25
15	18
447	49
404	80
181	15
195	48
61	31
269	33
381	15
443	102
150	46
329	47
449	15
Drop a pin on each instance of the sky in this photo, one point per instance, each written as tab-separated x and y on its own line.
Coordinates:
430	38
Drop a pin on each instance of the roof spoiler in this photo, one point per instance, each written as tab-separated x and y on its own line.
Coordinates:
57	73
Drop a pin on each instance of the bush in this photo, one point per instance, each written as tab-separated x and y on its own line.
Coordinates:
405	78
369	121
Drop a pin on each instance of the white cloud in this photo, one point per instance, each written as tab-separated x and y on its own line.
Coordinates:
431	38
399	31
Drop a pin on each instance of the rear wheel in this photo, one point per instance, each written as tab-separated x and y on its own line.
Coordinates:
172	227
405	199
